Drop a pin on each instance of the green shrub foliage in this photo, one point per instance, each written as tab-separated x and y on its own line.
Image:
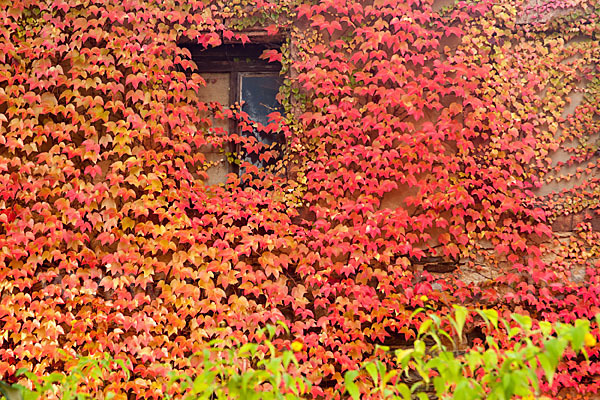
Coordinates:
434	364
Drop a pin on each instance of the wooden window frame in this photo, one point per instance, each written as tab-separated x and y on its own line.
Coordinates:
237	60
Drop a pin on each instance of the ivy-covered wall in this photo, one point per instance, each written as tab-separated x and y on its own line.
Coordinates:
422	146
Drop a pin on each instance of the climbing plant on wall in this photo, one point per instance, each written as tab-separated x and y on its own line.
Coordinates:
433	155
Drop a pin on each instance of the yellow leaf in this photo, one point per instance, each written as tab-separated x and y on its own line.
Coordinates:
589	340
296	346
127	223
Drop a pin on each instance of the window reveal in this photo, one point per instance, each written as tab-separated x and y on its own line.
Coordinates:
216	90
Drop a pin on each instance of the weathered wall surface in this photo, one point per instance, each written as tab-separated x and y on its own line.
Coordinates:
569	162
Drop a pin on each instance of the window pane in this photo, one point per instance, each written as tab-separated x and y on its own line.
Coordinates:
258	92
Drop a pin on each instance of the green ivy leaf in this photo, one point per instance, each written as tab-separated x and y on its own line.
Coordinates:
351	387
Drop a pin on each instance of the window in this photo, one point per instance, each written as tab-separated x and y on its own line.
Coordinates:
236	74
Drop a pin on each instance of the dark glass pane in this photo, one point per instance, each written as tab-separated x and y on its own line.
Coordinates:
258	92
